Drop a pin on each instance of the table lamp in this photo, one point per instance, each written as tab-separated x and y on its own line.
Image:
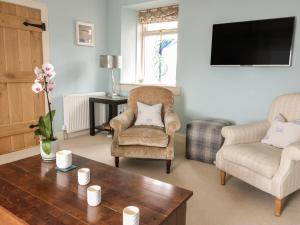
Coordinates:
112	62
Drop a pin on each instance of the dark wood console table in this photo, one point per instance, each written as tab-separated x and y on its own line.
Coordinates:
113	110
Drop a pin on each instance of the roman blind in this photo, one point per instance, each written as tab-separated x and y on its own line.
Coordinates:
159	15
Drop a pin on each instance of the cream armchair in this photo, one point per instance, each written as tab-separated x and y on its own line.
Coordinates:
270	169
142	141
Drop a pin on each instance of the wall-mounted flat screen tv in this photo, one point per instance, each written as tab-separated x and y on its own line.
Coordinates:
253	43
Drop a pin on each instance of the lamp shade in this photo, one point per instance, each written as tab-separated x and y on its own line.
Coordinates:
111	61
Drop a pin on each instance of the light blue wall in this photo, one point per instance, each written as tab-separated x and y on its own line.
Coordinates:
241	94
129	44
77	67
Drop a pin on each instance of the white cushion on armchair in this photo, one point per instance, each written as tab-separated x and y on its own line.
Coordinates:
281	133
149	115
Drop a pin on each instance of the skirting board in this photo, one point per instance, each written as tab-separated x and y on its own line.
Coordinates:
60	134
179	137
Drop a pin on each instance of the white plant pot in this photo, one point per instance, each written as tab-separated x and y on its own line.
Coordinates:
54	149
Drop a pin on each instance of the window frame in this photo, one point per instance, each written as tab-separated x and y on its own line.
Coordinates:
142	32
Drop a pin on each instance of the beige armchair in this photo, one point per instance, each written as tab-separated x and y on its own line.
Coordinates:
270	169
144	141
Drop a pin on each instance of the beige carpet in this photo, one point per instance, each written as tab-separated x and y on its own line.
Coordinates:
237	203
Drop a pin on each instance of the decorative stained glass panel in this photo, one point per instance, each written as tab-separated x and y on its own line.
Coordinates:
160	59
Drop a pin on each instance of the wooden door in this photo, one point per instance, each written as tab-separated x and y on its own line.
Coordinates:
20	52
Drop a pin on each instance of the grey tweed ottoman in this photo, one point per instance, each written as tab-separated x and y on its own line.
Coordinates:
204	139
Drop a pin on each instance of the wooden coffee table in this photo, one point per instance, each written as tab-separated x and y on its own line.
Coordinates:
35	192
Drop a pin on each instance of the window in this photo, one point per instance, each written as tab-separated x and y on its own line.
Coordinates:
159	53
157	46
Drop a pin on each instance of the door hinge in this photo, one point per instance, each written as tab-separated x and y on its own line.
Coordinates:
41	26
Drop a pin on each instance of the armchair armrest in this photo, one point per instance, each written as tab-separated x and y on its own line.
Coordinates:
287	178
122	121
291	152
172	123
245	133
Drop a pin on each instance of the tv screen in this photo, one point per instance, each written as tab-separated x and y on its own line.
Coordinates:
253	43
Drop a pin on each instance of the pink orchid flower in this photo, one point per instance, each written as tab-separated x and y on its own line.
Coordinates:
50	85
46	74
48	68
50	75
38	71
37	87
39	74
39	78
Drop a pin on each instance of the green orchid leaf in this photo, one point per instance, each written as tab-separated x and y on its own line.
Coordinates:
47	125
44	125
37	132
44	128
48	121
47	117
46	146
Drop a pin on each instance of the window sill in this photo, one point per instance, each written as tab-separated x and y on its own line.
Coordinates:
128	87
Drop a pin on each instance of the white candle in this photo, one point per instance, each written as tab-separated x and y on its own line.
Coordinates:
94	195
131	215
64	159
84	176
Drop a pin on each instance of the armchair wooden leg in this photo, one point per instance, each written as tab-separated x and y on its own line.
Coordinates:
117	161
278	206
168	166
222	177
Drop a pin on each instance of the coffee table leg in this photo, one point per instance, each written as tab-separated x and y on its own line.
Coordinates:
178	217
92	118
181	214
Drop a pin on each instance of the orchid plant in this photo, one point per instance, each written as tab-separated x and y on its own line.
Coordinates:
44	83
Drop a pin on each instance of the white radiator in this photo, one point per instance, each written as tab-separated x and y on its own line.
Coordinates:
76	112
